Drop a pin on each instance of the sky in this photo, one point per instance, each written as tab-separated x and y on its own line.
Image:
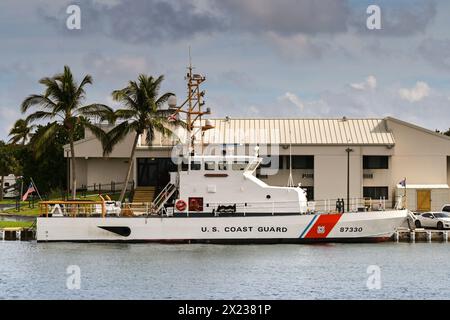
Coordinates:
261	58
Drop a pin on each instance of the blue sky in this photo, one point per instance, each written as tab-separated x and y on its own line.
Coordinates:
262	58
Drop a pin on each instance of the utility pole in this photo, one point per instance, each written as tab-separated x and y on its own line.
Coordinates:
67	174
348	150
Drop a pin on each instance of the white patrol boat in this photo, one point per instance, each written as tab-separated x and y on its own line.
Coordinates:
216	199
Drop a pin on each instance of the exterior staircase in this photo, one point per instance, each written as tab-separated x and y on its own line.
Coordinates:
144	194
163	197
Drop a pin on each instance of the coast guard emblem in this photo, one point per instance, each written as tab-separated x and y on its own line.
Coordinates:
320	229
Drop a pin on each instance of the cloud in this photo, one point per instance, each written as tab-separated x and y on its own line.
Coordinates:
298	46
7	118
139	21
286	17
417	93
293	99
117	66
369	83
436	52
398	18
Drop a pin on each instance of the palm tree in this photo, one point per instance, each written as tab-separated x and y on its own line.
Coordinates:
62	103
142	112
21	132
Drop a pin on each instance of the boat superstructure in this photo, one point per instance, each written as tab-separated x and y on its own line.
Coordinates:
215	199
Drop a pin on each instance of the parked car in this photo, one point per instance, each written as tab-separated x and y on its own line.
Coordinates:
439	220
446	208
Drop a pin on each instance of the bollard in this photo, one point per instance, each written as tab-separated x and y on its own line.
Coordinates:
445	235
412	235
2	234
429	236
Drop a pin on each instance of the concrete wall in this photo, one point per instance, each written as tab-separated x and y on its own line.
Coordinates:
420	156
439	197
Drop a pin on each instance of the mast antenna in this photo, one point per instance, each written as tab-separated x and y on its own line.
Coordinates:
193	105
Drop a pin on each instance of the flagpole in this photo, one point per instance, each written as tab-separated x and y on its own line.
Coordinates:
37	191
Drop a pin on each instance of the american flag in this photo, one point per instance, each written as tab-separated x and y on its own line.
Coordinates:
30	190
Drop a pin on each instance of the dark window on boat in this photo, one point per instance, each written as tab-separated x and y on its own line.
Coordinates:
184	164
376	192
375	162
309	193
239	165
223	165
6	184
210	165
196	165
301	162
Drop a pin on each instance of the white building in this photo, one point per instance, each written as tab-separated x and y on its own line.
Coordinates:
379	152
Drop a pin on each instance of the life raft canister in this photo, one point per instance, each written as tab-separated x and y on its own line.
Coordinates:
181	205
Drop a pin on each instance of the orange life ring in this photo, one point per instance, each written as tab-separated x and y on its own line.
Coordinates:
181	205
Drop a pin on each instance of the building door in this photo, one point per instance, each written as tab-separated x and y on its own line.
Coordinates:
147	169
423	200
154	172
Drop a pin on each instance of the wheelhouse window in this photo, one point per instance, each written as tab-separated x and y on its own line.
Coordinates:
210	165
375	162
376	192
223	165
239	165
196	165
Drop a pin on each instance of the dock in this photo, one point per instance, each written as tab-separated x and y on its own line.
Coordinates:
421	235
22	234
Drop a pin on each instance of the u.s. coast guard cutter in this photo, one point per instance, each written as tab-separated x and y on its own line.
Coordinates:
214	199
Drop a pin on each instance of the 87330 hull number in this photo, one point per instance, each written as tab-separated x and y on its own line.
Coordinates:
351	229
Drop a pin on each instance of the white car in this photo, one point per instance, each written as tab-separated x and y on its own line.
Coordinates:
439	220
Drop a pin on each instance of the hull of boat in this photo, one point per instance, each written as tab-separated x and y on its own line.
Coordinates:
348	227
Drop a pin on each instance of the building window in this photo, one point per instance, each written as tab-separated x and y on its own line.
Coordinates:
301	162
376	192
375	162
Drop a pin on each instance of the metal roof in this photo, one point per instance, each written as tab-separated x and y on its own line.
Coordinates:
299	131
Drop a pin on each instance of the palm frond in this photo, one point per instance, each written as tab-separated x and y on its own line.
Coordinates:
39	115
43	138
37	100
116	135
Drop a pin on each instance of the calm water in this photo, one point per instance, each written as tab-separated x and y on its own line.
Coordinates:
149	271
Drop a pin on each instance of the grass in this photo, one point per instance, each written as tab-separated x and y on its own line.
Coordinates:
15	224
24	210
8	201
